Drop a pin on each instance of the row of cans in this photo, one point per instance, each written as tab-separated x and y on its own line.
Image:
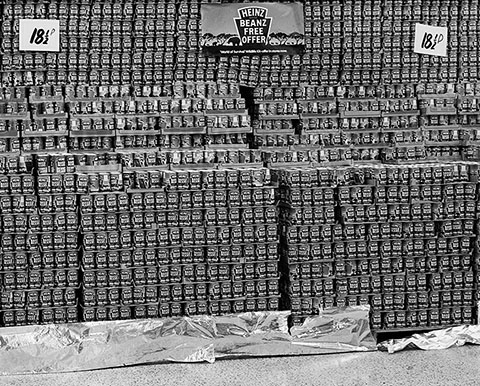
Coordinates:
226	254
79	183
176	274
11	109
191	179
60	222
58	241
385	249
319	92
178	90
266	124
176	309
401	283
423	300
37	126
108	9
425	318
45	298
358	266
40	279
148	220
37	260
414	298
430	173
18	204
397	75
150	106
405	231
10	145
12	164
428	192
173	200
327	233
189	157
408	212
87	26
178	293
145	239
135	77
50	203
37	316
210	141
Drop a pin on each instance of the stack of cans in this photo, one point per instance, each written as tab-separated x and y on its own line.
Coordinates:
14	118
91	118
440	121
398	238
40	275
48	129
204	115
467	53
179	242
107	265
362	42
400	63
276	117
320	64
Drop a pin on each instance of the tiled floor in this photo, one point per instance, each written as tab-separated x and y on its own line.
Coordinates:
458	366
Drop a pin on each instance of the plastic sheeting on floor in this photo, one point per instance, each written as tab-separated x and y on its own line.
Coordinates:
435	340
99	345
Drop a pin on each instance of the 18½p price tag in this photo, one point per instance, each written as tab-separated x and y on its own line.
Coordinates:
39	35
431	40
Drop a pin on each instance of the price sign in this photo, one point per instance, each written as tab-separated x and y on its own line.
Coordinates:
431	40
39	35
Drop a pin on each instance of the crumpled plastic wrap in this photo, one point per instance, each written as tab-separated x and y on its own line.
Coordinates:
100	345
335	330
435	340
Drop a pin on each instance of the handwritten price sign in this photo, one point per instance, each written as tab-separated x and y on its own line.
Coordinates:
431	40
39	35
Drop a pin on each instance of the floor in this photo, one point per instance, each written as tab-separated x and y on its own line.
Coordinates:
457	366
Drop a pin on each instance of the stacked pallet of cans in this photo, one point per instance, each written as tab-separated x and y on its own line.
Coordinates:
180	242
401	239
39	243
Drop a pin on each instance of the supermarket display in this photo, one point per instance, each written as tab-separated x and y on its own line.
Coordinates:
140	174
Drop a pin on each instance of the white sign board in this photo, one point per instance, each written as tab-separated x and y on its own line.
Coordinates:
39	35
431	40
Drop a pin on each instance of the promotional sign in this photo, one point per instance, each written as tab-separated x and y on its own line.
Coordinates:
252	28
431	40
39	35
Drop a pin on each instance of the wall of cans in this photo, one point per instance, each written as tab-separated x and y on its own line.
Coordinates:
101	204
399	238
